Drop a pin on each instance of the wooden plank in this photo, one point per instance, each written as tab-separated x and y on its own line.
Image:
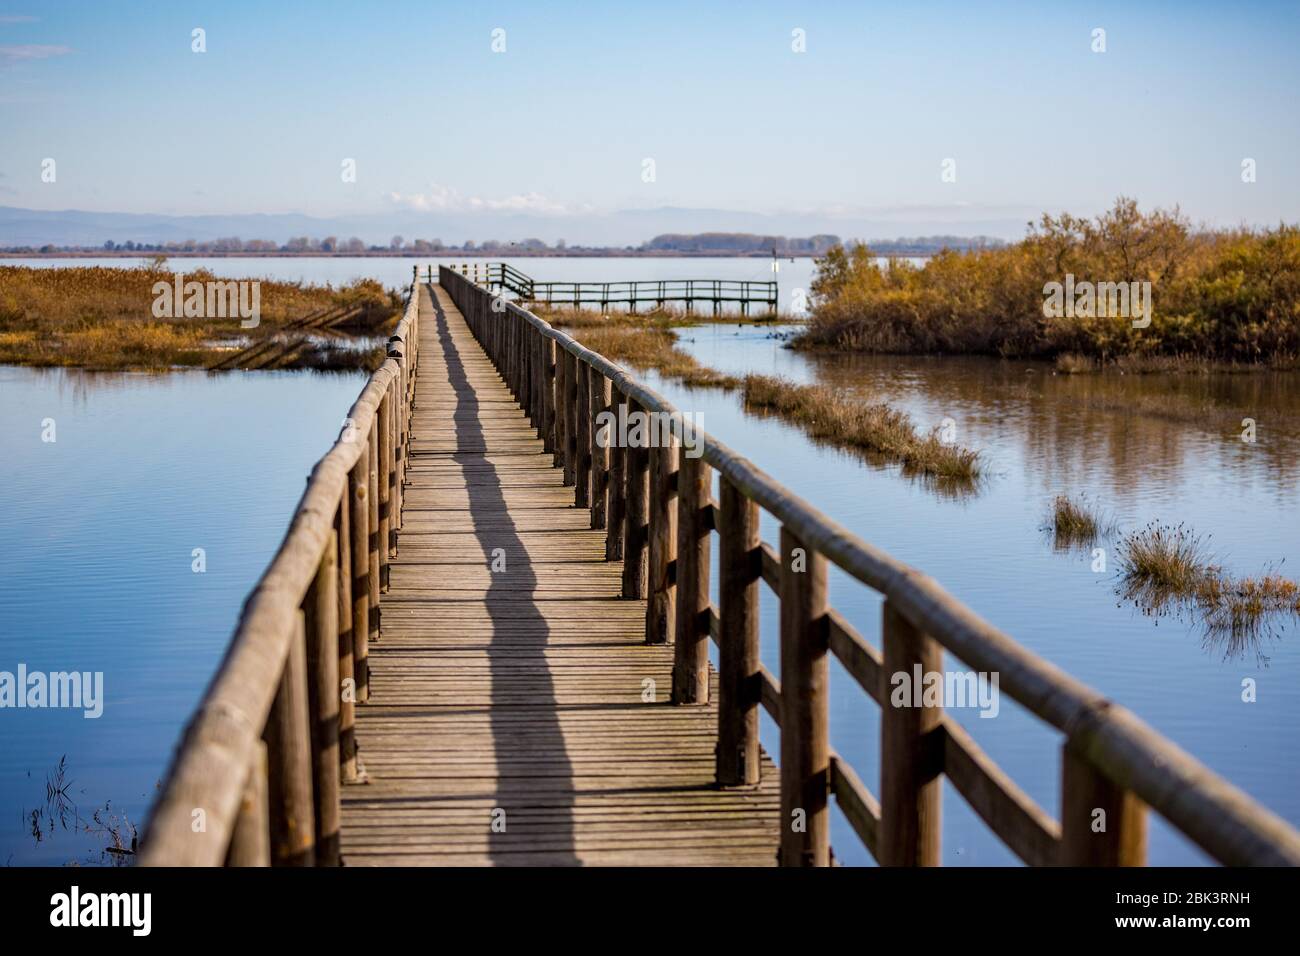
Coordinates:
857	804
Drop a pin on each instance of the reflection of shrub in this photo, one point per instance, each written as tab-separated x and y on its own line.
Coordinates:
1230	295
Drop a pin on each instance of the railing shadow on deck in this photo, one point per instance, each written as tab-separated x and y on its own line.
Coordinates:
524	713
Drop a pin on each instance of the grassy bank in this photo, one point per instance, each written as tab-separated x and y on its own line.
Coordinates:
103	318
847	422
647	342
643	342
1224	297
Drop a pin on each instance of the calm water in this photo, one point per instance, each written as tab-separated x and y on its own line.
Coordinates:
97	534
98	529
1143	448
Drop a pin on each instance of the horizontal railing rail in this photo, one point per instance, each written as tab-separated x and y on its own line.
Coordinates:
660	519
255	779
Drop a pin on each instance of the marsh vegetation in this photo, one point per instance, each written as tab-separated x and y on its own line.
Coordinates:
1218	296
105	319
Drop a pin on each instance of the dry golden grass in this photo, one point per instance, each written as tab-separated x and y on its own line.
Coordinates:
1071	363
102	318
651	348
647	342
842	420
1164	565
1074	523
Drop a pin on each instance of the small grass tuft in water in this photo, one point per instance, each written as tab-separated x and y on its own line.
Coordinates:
1167	557
1075	522
1164	565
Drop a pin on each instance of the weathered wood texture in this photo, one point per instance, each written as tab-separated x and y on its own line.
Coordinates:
521	696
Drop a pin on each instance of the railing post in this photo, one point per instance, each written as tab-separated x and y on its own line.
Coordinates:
549	418
250	839
561	418
359	525
599	403
582	476
805	712
347	682
372	539
637	468
322	632
1102	824
384	438
616	517
289	776
691	652
910	758
739	569
661	603
570	419
536	411
396	463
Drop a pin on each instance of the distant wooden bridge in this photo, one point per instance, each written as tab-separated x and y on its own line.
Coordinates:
718	293
538	688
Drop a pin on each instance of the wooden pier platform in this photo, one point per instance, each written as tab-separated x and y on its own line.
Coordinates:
516	715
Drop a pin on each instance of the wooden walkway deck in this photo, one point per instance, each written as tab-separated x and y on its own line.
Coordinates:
506	722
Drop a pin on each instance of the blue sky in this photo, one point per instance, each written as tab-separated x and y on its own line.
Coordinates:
561	122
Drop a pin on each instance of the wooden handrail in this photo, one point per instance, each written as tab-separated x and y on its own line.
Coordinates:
254	778
1112	760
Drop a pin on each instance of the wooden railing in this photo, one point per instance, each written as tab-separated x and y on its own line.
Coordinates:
660	518
256	777
497	276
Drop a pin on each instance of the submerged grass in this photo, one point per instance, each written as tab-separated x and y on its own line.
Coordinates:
842	420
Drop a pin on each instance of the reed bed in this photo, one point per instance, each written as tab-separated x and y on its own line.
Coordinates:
102	318
842	420
651	348
1216	296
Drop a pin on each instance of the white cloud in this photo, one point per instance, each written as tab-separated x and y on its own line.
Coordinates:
445	199
31	51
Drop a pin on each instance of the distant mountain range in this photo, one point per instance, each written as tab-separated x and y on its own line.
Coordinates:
34	228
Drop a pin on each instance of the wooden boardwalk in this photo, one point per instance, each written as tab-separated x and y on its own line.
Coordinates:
507	721
515	714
